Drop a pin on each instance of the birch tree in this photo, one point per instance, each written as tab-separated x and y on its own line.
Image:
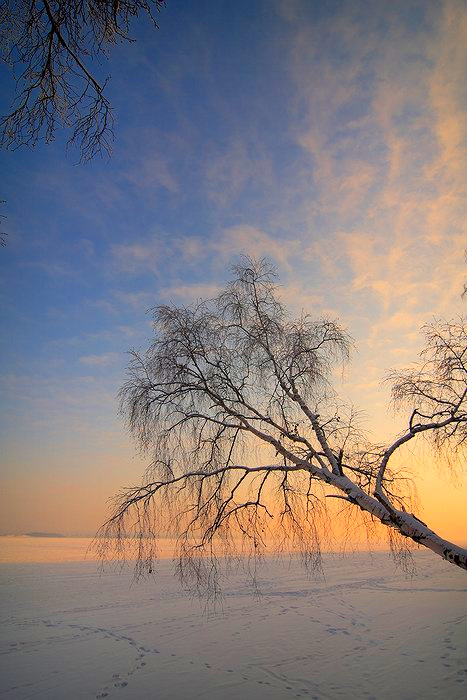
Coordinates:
250	443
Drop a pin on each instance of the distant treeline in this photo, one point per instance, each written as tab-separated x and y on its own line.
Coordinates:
44	534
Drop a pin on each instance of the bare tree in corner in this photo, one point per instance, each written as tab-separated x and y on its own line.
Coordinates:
236	378
49	45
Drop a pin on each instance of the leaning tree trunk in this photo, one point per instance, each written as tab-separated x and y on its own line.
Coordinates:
405	523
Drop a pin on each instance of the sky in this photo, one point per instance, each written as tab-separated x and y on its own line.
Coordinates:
328	136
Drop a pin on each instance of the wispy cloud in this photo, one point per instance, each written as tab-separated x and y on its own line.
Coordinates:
189	293
53	268
232	167
137	300
384	125
221	247
98	360
250	240
150	170
134	258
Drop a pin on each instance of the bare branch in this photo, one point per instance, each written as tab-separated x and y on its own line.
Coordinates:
435	390
50	46
235	377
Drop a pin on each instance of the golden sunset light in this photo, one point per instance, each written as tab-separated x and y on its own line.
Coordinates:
233	272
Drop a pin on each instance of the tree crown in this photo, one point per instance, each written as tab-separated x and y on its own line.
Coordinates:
236	377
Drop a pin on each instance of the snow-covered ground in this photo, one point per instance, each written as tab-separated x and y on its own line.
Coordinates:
365	631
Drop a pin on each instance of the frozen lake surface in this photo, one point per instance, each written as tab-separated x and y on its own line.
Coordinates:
364	631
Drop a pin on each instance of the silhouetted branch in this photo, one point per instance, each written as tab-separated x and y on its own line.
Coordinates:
49	44
236	377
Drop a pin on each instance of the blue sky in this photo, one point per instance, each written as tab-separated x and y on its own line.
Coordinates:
328	136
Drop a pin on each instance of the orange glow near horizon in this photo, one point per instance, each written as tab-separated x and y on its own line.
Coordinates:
332	142
69	509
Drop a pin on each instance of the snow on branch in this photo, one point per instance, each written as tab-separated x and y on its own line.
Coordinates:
235	381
